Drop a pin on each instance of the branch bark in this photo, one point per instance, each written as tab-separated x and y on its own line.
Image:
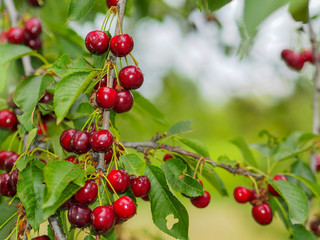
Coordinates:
57	230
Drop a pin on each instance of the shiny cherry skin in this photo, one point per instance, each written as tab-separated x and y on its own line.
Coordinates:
80	142
79	215
72	159
119	179
262	214
124	102
97	42
112	3
42	128
65	139
3	156
16	35
33	27
117	220
124	207
276	178
14	179
121	45
8	120
43	237
34	43
10	161
242	194
167	156
131	77
106	97
201	201
5	187
101	140
88	193
140	186
47	97
315	226
102	219
101	83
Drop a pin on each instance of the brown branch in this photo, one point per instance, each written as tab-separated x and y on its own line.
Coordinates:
56	228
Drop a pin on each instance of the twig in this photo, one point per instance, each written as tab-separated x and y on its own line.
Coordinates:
26	232
57	230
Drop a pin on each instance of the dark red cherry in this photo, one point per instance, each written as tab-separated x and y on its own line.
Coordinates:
42	128
16	35
43	237
102	219
97	42
65	139
307	55
5	187
14	179
101	140
124	102
8	119
201	201
68	204
119	179
117	220
130	77
106	97
10	161
146	198
36	3
112	3
124	207
276	178
88	193
47	118
108	156
262	214
315	226
47	97
167	156
79	215
34	43
33	26
292	59
80	142
317	162
72	159
3	156
140	186
102	82
121	45
242	194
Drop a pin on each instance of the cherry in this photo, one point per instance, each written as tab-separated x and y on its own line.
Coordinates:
47	97
14	179
79	215
112	3
262	214
80	142
43	237
119	179
42	128
47	118
102	219
72	159
106	97
117	220
276	178
5	187
285	53
97	42
34	43
36	3
124	207
33	27
101	140
8	119
131	77
10	161
124	102
88	193
292	59
200	182
167	156
315	226
3	37
242	194
317	162
201	201
307	55
146	198
65	139
121	45
102	82
140	186
68	204
108	156
3	156
16	35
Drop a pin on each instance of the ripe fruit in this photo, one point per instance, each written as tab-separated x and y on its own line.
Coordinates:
42	128
79	215
201	201
140	186
72	159
167	156
43	237
111	3
65	139
315	226
124	207
5	187
8	119
80	142
101	140
16	35
307	55
34	43
121	45
14	179
68	204
117	220
106	97
292	59
47	97
242	194
10	161
262	214
276	178
88	193
102	219
3	156
317	162
108	155
124	102
119	179
146	198
36	3
33	27
101	83
130	77
97	42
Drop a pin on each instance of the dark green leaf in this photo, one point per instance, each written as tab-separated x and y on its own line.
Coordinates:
214	5
247	155
313	186
133	163
301	233
6	213
78	9
196	145
299	10
4	134
180	127
13	51
98	60
302	169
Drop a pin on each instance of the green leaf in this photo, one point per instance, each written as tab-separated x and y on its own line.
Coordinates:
27	94
247	155
23	162
301	233
226	160
299	10
196	145
31	136
179	181
6	213
180	127
78	9
67	91
313	186
133	163
295	198
11	52
98	60
214	5
165	205
4	134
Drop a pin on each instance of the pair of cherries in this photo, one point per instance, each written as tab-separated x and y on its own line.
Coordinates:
297	60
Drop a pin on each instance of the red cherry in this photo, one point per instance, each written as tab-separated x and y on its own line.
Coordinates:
72	159
33	26
201	201
101	140
34	43
88	193
47	97
140	186
117	220
121	45
315	226
124	207
47	118
65	139
10	161
68	204
106	97
146	198
42	128
112	3
292	59
16	35
317	162
285	53
262	214
102	219
108	156
43	237
124	102
36	3
119	179
307	55
14	179
130	77
8	119
276	178
80	142
167	156
101	83
3	156
79	215
97	42
242	194
5	187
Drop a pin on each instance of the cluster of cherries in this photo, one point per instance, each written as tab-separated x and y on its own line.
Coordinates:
296	60
8	120
8	181
261	211
199	202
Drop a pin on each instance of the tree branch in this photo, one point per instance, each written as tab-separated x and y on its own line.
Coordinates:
55	225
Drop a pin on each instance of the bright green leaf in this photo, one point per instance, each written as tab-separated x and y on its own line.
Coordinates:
31	136
313	186
301	233
4	134
133	163
215	5
299	10
23	162
79	9
180	127
196	145
13	51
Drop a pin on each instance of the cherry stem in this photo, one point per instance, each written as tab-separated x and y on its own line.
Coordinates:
133	59
110	185
8	220
107	192
105	20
